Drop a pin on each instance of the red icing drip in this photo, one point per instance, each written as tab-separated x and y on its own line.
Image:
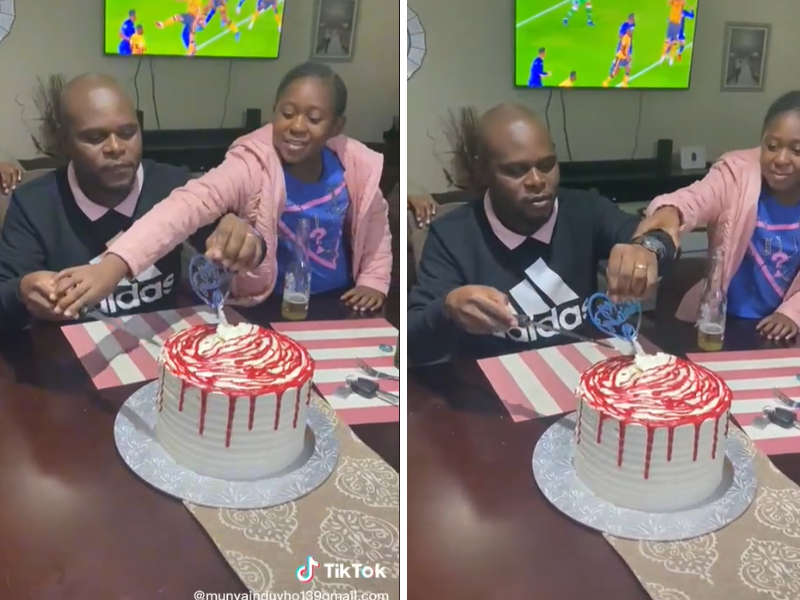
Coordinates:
648	452
203	408
229	426
670	439
296	410
248	365
621	448
252	416
600	428
727	423
278	402
578	432
716	436
696	440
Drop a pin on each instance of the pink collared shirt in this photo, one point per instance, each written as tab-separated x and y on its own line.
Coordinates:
95	211
512	240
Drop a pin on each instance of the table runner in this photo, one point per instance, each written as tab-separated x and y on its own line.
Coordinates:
354	517
540	383
334	346
752	375
755	557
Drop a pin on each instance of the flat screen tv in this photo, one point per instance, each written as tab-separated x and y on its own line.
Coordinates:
638	44
211	28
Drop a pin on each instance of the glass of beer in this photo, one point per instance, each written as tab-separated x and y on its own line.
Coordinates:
713	308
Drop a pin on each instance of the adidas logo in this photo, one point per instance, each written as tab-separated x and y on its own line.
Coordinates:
544	296
131	294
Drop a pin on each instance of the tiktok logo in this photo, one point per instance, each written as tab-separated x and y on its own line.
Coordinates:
305	572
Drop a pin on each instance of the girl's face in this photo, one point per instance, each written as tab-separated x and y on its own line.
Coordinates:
304	119
780	152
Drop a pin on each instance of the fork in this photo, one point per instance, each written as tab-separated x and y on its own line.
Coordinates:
785	399
374	372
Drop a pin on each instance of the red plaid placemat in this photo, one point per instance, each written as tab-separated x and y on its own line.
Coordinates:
752	375
334	346
540	383
125	350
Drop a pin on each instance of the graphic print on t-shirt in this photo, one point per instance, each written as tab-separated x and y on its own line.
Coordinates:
547	299
149	287
770	264
325	205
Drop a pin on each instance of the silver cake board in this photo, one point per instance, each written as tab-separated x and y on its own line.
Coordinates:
554	472
134	434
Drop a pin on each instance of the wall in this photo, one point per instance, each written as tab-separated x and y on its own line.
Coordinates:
469	61
51	36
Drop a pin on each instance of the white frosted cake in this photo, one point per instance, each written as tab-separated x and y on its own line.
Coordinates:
651	432
233	400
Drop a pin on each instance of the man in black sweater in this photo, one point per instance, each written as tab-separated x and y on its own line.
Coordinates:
527	248
69	217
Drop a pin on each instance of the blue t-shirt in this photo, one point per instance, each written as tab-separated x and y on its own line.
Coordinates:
127	31
770	264
325	204
537	72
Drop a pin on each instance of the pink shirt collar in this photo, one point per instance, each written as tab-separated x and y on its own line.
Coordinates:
95	211
512	240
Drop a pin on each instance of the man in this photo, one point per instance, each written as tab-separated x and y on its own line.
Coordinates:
537	70
576	6
69	217
525	249
569	81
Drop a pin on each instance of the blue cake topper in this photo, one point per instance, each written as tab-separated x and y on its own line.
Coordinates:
618	319
210	280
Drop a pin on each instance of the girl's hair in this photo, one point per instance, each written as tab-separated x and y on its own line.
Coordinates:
789	102
318	71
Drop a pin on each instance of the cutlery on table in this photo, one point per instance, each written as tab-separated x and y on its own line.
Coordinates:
526	321
778	415
372	372
367	388
785	399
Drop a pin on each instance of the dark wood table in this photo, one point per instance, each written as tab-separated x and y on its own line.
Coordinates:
478	526
75	523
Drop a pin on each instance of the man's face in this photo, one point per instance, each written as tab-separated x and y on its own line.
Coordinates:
103	140
521	172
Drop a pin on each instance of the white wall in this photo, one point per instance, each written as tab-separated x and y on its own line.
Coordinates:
469	61
52	36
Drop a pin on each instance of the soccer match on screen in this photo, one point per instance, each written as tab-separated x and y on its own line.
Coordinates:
644	44
213	28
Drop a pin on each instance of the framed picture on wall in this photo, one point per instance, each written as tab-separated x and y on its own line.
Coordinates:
744	60
334	32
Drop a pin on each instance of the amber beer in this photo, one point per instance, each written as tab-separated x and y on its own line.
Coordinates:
294	307
710	336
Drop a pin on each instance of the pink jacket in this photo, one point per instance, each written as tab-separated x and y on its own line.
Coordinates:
726	200
250	183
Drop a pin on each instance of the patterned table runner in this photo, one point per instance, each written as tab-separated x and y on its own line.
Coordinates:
354	517
335	345
540	383
757	557
752	375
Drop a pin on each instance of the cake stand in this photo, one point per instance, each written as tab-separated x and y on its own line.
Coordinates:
134	434
555	474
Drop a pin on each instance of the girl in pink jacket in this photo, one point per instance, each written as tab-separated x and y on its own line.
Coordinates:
298	166
750	201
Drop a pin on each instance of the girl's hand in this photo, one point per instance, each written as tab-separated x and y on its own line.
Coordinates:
362	298
85	286
777	328
235	244
423	208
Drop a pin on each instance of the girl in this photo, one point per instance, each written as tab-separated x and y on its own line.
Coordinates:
751	201
297	166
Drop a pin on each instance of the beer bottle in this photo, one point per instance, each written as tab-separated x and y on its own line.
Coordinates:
297	282
713	306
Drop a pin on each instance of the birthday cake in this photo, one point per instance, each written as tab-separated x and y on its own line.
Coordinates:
651	432
233	400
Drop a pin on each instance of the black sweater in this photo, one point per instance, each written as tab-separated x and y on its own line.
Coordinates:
546	281
45	230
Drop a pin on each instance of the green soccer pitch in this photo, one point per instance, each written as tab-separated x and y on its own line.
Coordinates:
263	41
590	50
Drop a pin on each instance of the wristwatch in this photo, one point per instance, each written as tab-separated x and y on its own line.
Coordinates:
658	242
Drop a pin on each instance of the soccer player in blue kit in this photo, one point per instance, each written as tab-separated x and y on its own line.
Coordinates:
537	70
687	14
126	32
